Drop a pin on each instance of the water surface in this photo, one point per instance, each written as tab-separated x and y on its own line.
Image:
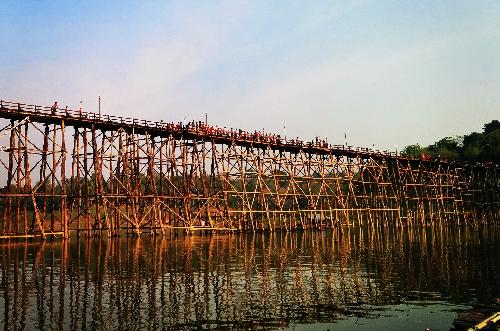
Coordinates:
362	279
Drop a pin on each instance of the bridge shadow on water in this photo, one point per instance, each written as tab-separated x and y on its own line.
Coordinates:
397	277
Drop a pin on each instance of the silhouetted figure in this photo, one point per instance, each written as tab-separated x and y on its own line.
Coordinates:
54	108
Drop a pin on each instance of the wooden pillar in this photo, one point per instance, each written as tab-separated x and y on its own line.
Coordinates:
63	207
86	191
7	212
53	173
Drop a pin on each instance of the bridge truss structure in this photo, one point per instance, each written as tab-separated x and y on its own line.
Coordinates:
70	171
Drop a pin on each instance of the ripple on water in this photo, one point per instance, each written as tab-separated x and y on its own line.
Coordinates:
366	279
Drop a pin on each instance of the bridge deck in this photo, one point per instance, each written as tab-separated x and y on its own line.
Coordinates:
77	118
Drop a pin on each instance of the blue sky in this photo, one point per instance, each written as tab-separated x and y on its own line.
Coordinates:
388	73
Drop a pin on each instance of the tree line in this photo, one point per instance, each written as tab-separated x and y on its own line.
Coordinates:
474	147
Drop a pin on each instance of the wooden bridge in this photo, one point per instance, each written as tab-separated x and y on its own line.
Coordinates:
70	170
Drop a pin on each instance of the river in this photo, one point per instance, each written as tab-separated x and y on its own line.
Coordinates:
363	279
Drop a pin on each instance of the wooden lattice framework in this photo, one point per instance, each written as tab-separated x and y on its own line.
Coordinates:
68	170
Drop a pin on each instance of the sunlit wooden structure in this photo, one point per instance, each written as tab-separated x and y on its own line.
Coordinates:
68	170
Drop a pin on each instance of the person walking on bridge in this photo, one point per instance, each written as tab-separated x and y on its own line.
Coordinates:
54	108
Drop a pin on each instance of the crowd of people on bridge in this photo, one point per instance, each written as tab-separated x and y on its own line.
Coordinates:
201	128
196	130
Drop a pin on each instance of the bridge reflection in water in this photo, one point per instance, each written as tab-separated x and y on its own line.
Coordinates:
268	280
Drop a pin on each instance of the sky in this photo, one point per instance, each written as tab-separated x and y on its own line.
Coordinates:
383	73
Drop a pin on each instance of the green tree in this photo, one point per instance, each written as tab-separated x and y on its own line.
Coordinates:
447	148
413	150
473	146
482	147
491	127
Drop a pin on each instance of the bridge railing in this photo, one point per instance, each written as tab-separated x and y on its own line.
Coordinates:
201	130
198	129
78	114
